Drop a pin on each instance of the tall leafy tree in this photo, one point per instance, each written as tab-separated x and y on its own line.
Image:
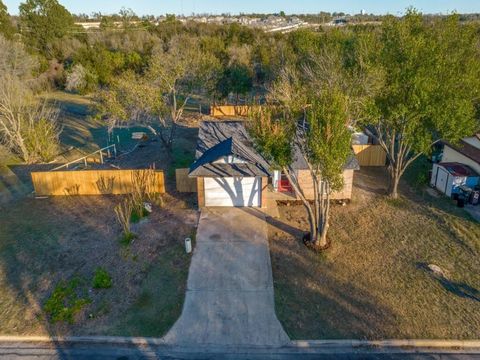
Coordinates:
6	27
312	123
322	139
237	77
176	71
42	22
431	82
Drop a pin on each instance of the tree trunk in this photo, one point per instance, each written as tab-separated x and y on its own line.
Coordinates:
393	186
312	216
165	140
25	154
323	216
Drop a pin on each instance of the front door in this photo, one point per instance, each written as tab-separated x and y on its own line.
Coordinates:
284	185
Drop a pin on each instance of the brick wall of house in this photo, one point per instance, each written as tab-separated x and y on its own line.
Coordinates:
201	192
306	184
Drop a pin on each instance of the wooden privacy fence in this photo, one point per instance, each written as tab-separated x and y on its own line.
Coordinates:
230	110
185	183
91	182
370	155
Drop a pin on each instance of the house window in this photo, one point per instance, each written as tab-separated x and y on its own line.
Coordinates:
229	159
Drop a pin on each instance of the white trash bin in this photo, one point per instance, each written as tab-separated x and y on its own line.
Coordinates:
188	245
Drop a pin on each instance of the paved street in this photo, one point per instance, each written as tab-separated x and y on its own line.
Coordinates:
120	352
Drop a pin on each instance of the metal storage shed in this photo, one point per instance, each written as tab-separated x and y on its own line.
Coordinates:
449	176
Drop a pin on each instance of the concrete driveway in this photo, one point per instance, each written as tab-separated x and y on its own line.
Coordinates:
229	299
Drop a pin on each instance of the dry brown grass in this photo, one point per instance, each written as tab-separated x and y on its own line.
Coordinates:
373	283
46	240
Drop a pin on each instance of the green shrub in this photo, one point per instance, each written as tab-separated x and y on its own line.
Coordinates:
136	217
101	279
398	203
421	180
127	238
65	301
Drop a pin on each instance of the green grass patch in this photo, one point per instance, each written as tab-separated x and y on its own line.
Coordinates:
160	300
67	299
136	217
102	279
183	155
127	239
399	202
416	175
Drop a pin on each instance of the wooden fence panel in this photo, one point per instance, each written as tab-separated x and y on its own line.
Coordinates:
185	183
230	110
89	182
370	155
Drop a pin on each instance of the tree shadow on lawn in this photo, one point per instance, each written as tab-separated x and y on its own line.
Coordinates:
279	224
459	289
23	172
447	215
372	179
317	304
415	201
333	308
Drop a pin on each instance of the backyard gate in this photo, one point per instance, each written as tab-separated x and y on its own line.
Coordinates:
183	182
370	155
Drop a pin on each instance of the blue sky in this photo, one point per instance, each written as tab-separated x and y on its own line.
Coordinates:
157	7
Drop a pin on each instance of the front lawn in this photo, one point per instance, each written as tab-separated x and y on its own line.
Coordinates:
374	282
51	251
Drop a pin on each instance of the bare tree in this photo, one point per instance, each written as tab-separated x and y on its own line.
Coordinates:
124	211
28	128
15	61
144	188
76	79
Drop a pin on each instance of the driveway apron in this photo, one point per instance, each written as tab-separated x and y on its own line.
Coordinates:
229	299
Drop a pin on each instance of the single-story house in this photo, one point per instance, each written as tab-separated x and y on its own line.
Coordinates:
230	172
449	177
467	152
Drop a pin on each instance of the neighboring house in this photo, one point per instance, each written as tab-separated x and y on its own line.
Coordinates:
230	172
467	152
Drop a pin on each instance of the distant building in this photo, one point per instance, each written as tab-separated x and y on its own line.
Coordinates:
338	22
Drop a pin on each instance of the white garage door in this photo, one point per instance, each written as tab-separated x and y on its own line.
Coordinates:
235	191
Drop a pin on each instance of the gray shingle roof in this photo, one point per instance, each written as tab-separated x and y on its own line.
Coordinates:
299	162
217	139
